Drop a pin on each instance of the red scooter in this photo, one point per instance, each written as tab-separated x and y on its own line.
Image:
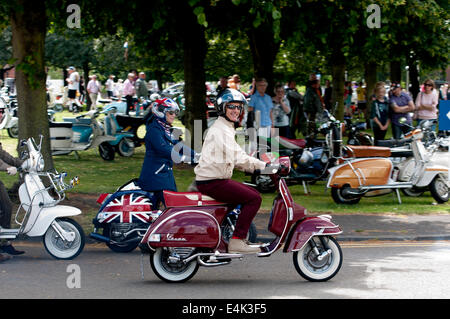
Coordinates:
194	231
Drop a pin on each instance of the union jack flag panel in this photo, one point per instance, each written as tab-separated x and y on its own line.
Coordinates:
129	208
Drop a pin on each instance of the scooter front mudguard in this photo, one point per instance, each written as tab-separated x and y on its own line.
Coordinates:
13	122
430	173
100	139
48	215
308	228
119	137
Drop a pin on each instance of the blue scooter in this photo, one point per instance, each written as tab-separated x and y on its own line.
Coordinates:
79	134
123	143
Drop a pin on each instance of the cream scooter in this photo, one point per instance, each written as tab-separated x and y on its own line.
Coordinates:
368	171
40	212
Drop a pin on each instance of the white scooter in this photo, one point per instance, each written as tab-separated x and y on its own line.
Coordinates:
8	116
437	154
42	216
368	171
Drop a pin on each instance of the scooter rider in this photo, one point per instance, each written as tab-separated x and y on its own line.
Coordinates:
220	154
161	151
9	164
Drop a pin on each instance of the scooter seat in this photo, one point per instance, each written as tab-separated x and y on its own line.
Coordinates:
59	124
392	142
77	121
179	199
367	151
291	143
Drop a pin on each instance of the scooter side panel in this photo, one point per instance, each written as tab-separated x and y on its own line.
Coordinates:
181	227
48	215
126	207
372	171
309	227
430	173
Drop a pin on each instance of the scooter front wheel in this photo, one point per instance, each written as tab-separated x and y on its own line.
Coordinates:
321	264
57	246
13	132
125	147
439	189
171	271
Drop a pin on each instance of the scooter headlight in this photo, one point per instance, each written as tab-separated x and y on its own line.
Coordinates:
40	164
324	158
306	158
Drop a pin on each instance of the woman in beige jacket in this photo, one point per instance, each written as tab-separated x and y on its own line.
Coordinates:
220	155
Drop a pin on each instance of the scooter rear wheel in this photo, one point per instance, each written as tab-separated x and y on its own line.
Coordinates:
339	196
311	268
13	132
413	192
171	272
119	248
106	151
56	246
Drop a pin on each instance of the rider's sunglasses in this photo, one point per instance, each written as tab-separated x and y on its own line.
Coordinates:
233	106
172	112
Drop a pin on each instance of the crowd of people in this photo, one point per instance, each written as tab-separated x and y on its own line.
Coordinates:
286	109
134	87
289	111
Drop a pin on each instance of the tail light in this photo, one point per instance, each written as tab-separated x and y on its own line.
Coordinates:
102	198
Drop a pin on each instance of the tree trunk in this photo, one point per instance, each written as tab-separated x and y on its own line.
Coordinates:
28	24
396	71
65	76
338	73
414	79
264	50
86	81
159	79
194	53
370	75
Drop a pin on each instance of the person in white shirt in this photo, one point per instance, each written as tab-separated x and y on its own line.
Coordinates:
118	88
109	85
73	82
93	89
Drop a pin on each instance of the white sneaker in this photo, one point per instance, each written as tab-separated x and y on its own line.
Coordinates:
239	246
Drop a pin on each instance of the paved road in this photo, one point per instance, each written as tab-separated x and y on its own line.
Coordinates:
370	270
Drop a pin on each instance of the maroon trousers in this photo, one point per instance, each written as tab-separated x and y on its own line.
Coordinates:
232	192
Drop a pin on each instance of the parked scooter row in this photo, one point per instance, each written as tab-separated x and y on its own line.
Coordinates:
9	119
310	158
118	133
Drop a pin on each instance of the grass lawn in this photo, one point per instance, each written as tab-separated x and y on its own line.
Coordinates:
98	176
